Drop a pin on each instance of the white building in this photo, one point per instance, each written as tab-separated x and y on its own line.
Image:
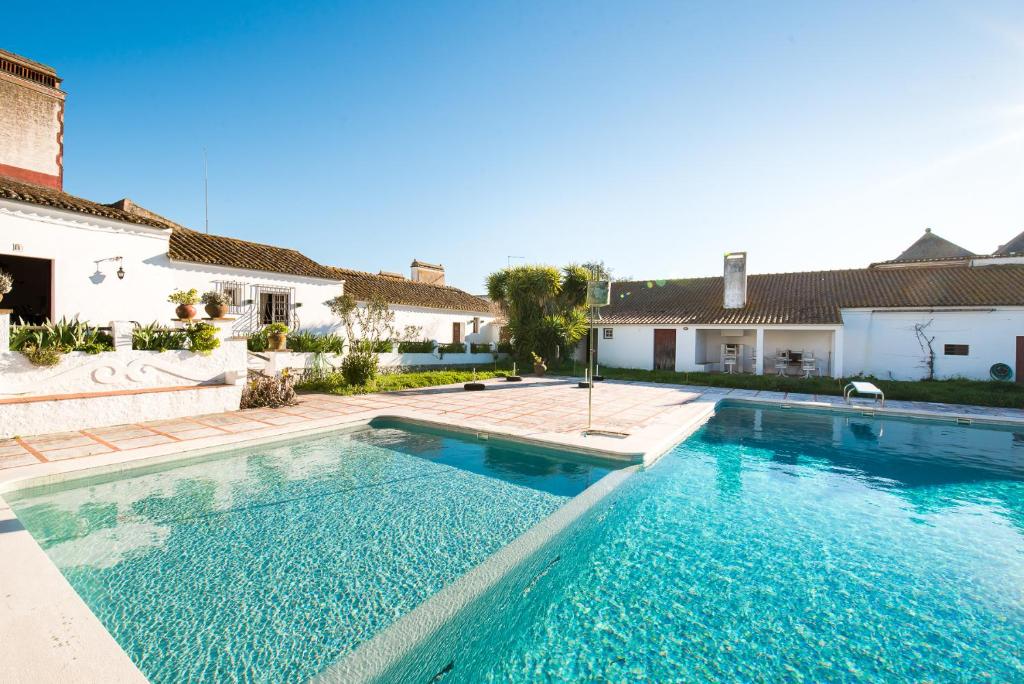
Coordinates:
967	309
102	262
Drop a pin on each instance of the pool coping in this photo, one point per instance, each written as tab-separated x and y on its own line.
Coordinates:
52	635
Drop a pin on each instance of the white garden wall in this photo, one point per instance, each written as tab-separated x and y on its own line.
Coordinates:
79	372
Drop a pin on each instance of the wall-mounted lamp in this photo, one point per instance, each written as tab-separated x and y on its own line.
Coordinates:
98	277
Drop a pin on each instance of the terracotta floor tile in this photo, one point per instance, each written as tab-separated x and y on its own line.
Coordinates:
75	452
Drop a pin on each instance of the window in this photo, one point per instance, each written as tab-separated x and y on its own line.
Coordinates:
234	291
957	350
274	307
609	333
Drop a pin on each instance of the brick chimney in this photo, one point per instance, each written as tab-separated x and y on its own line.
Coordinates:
31	122
422	272
735	280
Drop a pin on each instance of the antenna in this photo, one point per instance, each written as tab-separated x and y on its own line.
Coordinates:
206	193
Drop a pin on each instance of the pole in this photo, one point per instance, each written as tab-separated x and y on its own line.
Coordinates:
590	372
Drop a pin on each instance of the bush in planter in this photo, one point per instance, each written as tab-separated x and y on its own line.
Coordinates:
216	303
420	347
359	368
306	341
269	391
371	347
452	348
158	338
186	301
43	345
476	348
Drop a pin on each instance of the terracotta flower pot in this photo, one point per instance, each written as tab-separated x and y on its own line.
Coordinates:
277	341
216	310
185	311
539	369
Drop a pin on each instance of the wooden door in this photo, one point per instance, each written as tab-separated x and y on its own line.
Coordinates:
664	349
456	332
1019	370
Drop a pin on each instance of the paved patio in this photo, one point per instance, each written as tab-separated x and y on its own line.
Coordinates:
534	407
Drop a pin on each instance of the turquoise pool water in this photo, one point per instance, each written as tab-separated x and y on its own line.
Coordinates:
776	546
266	565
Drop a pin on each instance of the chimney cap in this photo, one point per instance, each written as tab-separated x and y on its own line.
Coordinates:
416	263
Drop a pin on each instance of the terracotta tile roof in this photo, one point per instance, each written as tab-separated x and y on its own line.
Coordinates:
813	297
200	248
362	286
18	191
195	247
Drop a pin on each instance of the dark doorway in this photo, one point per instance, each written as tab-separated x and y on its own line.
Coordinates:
30	298
664	349
1019	370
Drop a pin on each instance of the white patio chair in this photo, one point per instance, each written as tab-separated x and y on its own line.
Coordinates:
808	364
781	361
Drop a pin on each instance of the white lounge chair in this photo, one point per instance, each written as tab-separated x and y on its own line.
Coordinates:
861	387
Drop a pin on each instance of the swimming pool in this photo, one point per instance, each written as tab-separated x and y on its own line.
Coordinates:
772	545
268	563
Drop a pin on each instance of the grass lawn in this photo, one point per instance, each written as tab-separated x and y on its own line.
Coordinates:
976	392
389	382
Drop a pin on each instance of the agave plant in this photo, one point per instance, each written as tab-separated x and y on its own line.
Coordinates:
155	337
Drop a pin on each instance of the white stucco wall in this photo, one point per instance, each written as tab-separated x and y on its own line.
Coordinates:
311	293
74	242
883	344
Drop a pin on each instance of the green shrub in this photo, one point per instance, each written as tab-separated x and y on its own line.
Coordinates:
359	368
184	297
42	356
416	347
158	338
367	346
257	341
202	337
476	348
276	329
44	344
307	341
452	348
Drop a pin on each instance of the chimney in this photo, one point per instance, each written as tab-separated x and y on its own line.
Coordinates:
735	280
31	122
422	272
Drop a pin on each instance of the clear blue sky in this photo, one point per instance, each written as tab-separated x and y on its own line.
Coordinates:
654	136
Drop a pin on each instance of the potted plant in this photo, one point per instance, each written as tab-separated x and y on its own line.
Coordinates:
277	336
186	301
539	367
216	303
6	283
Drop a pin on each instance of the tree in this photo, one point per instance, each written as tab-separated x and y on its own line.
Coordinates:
367	326
599	270
545	307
